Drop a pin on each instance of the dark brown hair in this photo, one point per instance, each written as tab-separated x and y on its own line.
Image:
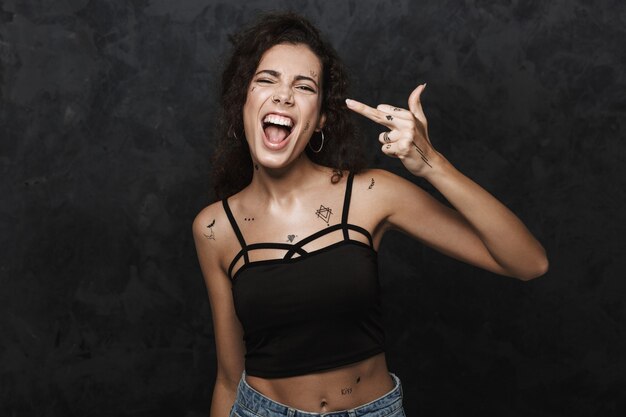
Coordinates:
231	162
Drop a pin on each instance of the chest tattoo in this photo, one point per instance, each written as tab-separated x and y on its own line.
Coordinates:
324	213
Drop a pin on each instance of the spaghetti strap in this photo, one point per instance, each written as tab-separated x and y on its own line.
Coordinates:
346	206
233	223
293	248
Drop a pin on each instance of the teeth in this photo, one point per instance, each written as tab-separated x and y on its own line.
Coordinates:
278	120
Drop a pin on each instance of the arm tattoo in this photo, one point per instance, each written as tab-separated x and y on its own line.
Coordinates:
210	227
324	214
371	185
422	154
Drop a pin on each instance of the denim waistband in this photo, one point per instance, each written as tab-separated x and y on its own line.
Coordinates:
261	405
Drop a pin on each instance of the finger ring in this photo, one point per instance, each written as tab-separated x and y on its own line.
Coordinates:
386	137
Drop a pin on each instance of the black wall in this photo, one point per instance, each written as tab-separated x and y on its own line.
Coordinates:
107	118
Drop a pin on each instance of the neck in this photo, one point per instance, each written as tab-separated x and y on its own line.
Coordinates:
284	185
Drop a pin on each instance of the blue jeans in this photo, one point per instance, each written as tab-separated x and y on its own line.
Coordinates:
251	403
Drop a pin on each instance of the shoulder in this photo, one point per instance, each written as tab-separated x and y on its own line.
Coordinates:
374	173
212	230
207	218
386	193
382	183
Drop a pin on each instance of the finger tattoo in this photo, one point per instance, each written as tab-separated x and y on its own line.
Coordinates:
386	137
388	146
389	117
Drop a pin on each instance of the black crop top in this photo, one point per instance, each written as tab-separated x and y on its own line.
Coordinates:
316	311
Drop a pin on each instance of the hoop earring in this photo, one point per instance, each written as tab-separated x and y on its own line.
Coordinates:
321	146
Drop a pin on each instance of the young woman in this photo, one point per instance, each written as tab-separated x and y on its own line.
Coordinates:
289	253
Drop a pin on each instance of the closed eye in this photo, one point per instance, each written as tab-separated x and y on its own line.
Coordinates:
306	88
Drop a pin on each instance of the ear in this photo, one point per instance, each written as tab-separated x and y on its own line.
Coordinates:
321	123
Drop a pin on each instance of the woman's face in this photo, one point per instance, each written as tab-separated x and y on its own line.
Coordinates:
283	104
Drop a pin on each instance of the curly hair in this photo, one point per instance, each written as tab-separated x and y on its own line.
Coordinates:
231	163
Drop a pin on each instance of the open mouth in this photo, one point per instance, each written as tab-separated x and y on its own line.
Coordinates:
277	128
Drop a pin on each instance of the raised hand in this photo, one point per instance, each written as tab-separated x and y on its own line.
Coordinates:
407	137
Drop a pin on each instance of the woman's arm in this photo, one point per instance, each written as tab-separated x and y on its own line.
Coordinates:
229	344
481	231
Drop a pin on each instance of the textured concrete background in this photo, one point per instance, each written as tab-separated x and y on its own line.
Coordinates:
107	115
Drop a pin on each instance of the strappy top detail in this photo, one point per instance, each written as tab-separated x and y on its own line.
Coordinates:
297	247
315	311
233	222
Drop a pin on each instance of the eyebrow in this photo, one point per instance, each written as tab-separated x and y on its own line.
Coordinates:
297	77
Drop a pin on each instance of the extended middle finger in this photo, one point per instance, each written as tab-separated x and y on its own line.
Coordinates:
395	111
371	113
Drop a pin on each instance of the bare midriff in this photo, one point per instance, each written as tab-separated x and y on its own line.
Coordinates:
337	389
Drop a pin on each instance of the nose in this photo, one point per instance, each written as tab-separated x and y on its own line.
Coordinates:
283	95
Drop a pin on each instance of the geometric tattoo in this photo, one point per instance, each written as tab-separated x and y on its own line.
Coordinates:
324	213
212	235
424	158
